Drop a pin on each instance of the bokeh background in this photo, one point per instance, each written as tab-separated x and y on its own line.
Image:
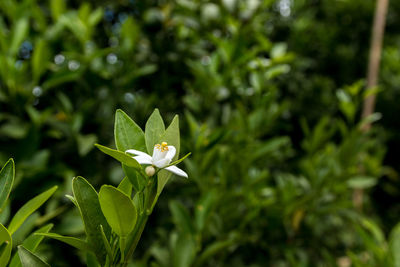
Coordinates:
269	94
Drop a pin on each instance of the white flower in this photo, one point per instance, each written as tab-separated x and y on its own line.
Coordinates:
162	157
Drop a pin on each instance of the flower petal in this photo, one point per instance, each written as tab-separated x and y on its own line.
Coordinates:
171	152
161	163
158	154
177	171
143	159
137	152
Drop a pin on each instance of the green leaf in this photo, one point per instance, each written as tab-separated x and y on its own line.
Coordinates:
39	59
20	31
31	243
137	180
72	199
92	217
30	207
72	241
128	134
85	143
5	246
213	249
181	217
91	260
172	137
57	8
26	228
362	182
7	174
154	131
125	186
29	259
394	245
118	209
120	156
106	243
204	208
184	251
180	160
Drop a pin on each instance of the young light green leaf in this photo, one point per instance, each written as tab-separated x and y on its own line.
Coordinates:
118	209
125	186
29	259
120	156
30	207
5	245
154	131
72	241
31	243
92	217
128	134
7	174
172	137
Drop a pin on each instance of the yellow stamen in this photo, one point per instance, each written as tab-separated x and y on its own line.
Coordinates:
163	147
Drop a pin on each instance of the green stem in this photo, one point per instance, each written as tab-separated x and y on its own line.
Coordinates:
141	223
138	233
122	246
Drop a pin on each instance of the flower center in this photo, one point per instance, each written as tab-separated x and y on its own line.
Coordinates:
163	147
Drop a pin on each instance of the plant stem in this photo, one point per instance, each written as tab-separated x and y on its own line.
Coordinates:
138	233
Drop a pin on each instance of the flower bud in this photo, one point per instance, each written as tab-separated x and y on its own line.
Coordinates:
150	171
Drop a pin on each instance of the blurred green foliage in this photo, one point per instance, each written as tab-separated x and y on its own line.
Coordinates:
270	93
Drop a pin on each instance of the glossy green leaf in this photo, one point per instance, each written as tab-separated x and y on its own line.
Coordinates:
26	228
31	243
118	209
91	214
7	174
72	241
30	207
5	245
120	156
29	259
154	131
128	135
125	186
172	137
137	180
